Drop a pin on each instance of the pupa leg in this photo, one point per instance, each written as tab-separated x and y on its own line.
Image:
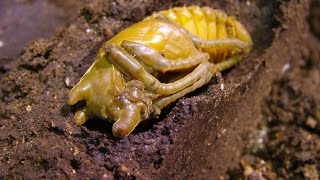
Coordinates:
164	101
230	43
225	64
210	44
155	60
160	103
130	66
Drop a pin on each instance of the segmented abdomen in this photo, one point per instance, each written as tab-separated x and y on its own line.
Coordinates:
206	23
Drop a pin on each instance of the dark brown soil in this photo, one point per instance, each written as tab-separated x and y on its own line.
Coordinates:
202	136
287	142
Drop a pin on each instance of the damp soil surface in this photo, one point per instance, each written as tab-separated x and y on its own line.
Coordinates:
260	119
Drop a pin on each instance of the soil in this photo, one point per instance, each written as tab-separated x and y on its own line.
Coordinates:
22	21
205	135
287	142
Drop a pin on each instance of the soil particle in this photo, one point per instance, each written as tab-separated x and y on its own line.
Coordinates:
199	136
